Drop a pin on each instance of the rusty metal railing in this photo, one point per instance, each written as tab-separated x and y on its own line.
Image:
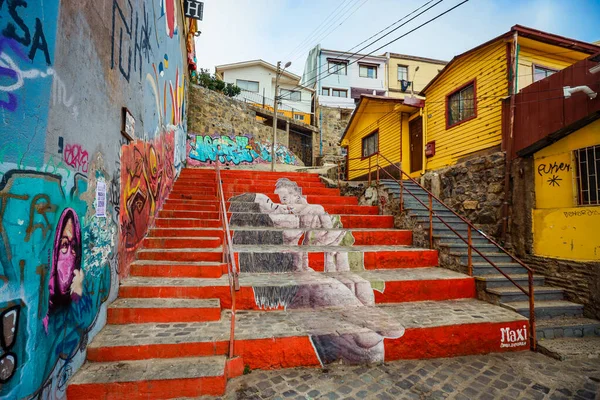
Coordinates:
468	240
228	257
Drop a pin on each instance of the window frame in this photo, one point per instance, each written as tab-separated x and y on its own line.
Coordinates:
534	66
362	145
299	117
595	149
281	96
397	70
360	66
455	91
246	80
328	91
337	71
339	90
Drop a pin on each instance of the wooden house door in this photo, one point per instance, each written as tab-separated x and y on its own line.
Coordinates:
416	144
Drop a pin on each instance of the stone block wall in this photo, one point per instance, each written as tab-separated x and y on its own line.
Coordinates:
474	189
333	122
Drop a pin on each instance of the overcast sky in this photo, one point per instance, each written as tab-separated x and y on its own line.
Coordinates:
272	30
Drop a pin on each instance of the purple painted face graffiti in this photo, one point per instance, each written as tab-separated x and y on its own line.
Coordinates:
66	277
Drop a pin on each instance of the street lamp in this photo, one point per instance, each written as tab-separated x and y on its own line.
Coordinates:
277	75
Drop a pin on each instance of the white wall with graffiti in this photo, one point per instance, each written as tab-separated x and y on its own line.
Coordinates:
76	196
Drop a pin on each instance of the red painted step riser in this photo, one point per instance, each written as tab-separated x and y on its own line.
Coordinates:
187	223
329	208
169	271
244	296
289	352
396	260
215	215
176	243
180	256
212	183
436	290
245	174
384	238
176	232
229	189
312	199
158	315
154	389
184	206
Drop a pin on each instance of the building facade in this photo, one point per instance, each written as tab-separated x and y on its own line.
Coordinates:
256	78
408	75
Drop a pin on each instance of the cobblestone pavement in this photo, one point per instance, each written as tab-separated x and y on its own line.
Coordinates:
524	375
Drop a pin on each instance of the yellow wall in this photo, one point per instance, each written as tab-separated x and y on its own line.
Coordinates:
427	71
560	228
488	66
544	55
286	113
372	117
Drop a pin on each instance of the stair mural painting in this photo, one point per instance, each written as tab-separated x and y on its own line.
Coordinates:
204	150
305	224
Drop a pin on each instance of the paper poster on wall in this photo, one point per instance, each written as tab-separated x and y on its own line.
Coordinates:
101	199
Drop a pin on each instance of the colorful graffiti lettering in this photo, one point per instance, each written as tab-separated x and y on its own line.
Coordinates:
147	176
203	150
76	157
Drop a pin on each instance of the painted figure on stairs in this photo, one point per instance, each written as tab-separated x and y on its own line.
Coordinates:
305	225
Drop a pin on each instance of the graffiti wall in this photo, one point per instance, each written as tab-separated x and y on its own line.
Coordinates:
238	150
295	222
76	195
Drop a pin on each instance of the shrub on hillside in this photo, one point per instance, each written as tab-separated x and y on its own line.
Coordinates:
209	81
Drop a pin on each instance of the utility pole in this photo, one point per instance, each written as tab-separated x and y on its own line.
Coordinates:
275	118
277	75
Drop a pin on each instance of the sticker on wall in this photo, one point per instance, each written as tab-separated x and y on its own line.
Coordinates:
101	199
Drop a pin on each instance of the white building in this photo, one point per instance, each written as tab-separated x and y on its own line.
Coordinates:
256	78
339	78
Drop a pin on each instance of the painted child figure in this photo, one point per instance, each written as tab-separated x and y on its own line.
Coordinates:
318	227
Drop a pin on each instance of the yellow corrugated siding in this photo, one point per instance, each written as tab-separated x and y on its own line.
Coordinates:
389	141
488	67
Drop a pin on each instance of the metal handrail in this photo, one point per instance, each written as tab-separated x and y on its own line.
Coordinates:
228	256
468	241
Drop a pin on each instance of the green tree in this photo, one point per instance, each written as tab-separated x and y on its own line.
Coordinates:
209	81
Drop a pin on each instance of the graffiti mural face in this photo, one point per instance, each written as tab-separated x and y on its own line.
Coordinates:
295	222
240	150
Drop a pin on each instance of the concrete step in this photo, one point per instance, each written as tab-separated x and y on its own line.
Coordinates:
187	223
181	255
424	214
495	257
174	269
312	199
310	289
150	379
186	232
486	269
258	188
584	348
499	280
139	311
329	208
348	221
511	293
546	308
304	337
450	238
181	242
247	174
441	227
362	237
568	327
247	181
462	246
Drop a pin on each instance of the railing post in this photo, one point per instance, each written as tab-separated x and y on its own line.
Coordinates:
533	334
401	195
430	222
377	169
369	171
470	250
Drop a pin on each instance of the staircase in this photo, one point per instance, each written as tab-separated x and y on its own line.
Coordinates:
556	316
322	280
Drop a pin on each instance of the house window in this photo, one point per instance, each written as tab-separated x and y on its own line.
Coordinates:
370	144
367	71
339	93
325	91
402	73
461	105
540	73
291	95
299	117
337	68
250	86
587	161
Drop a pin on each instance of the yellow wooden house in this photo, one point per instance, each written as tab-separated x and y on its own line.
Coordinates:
463	114
378	134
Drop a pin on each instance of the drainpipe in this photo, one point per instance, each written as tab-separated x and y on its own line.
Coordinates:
510	139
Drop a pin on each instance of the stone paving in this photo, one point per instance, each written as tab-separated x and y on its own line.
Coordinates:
524	375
